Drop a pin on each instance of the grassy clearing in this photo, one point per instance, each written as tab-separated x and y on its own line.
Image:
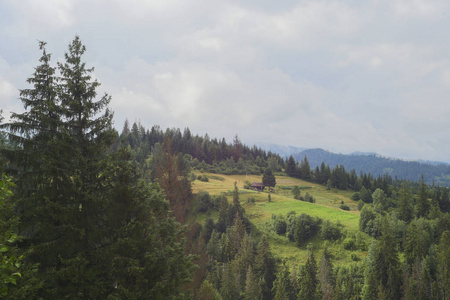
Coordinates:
259	213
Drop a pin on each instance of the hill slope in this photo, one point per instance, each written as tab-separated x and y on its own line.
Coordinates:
260	212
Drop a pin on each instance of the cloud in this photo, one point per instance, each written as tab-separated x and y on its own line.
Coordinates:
342	75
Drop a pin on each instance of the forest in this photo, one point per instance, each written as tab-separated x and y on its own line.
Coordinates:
433	172
91	213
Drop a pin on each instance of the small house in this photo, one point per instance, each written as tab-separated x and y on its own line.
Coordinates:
258	186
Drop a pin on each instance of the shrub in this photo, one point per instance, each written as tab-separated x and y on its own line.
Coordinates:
302	228
308	198
203	201
344	207
279	224
330	231
251	200
360	205
349	244
202	178
247	185
356	196
296	192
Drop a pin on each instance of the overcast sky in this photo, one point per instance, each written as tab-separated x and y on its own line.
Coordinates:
345	76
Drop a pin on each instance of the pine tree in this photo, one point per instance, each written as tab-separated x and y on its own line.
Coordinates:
35	128
230	288
265	268
244	258
413	246
444	201
147	253
291	166
386	265
88	221
75	200
39	170
308	281
326	276
268	178
444	265
252	288
404	207
236	210
305	169
208	292
422	206
282	286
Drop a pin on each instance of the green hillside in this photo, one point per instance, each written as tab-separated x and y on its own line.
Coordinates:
282	202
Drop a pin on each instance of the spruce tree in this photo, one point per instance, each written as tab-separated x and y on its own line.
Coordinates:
88	221
76	200
252	289
386	265
305	169
444	201
308	282
36	162
268	178
291	166
404	207
326	276
265	268
282	286
423	206
444	265
147	259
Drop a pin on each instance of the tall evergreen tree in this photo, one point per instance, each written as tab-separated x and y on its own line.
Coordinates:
37	165
422	205
147	259
326	276
404	207
282	286
308	281
386	265
305	169
444	265
444	201
252	288
268	178
291	167
265	268
230	287
92	228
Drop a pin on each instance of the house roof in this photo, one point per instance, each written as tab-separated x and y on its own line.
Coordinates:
256	184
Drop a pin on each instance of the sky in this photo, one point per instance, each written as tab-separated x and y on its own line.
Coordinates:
345	76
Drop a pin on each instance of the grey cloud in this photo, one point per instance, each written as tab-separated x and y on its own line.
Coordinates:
342	75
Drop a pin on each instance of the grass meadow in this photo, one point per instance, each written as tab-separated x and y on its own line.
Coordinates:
326	207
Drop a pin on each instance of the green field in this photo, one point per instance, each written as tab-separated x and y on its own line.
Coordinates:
282	202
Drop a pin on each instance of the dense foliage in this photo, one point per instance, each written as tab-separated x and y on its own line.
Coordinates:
89	226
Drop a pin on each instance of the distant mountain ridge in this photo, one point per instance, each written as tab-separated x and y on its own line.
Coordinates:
283	151
370	162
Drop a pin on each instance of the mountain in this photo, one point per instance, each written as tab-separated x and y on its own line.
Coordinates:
283	151
436	172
